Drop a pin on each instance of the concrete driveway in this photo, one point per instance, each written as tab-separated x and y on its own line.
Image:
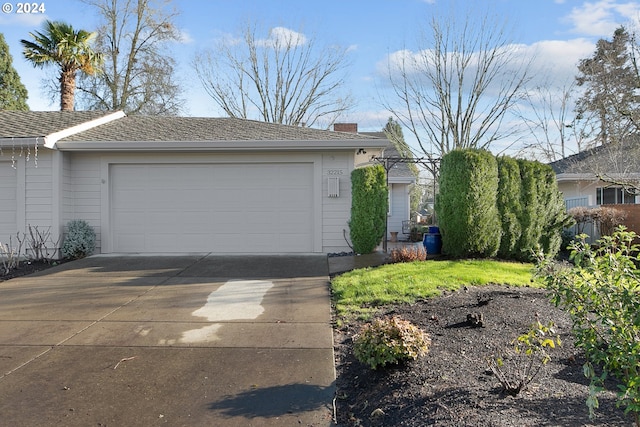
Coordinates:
172	340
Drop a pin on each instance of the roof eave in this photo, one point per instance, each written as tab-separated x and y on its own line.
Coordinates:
564	177
22	142
219	145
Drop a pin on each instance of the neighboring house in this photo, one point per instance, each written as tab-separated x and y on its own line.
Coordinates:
400	179
179	184
578	180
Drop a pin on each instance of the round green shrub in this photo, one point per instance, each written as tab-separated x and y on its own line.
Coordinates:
390	340
79	241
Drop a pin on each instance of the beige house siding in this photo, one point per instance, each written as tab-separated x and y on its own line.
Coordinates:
82	191
336	211
38	188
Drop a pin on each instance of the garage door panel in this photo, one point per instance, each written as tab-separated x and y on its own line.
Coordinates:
212	208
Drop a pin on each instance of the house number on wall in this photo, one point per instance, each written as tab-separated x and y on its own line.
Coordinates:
335	172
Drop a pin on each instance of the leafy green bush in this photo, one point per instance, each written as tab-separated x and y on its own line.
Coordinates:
601	292
368	208
390	340
80	240
466	204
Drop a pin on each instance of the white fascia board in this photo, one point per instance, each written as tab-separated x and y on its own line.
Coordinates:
51	139
203	146
564	177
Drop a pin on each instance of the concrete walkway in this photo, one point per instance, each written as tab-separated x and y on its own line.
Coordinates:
175	340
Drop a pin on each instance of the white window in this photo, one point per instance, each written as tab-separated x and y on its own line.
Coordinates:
613	196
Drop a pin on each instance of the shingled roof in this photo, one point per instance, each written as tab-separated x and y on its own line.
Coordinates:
109	130
170	129
611	158
37	124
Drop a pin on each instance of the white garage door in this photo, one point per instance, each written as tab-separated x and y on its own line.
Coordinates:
8	202
223	208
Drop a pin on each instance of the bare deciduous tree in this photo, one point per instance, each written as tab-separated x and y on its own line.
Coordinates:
549	116
139	74
456	90
284	78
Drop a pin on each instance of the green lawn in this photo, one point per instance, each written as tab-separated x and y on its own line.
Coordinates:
360	292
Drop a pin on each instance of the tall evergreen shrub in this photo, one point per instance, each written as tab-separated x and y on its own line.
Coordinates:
543	214
530	219
509	206
368	208
554	211
466	205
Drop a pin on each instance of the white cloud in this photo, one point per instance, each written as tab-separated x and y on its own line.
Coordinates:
281	36
601	18
552	61
555	61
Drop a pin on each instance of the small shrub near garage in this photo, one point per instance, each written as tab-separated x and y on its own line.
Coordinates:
390	341
79	241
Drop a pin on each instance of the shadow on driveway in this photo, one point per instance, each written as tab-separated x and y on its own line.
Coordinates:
276	401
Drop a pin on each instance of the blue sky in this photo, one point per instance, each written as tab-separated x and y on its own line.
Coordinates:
557	32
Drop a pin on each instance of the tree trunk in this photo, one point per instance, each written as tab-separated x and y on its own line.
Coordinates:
67	90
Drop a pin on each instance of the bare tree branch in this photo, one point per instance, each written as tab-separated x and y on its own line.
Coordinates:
456	90
139	75
284	78
547	112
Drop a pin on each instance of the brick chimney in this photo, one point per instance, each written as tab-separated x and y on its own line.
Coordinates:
345	127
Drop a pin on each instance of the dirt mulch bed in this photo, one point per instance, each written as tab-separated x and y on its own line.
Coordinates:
27	267
452	386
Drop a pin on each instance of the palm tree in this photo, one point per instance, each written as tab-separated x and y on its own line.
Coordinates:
60	44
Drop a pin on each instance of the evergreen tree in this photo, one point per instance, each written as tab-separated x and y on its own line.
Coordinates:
610	79
13	94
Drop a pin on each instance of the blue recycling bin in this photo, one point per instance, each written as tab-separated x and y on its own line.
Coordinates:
432	241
